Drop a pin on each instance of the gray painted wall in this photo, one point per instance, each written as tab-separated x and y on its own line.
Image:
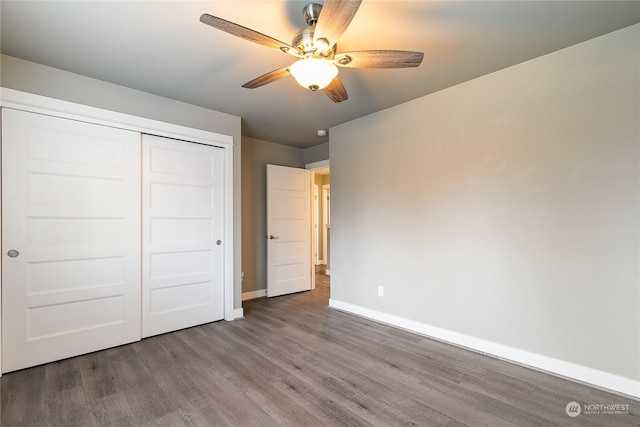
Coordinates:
505	208
39	79
256	154
316	153
46	81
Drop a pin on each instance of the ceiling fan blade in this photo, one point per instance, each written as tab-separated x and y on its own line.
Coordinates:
247	33
335	17
379	59
267	78
336	91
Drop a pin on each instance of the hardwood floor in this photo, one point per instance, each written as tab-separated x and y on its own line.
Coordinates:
292	361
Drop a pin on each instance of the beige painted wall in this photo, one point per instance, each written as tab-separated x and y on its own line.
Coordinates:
507	207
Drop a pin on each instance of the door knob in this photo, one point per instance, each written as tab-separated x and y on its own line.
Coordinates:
271	236
12	253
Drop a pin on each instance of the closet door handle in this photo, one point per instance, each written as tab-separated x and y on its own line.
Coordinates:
12	253
271	237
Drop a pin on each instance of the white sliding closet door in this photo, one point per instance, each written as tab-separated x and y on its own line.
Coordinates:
182	232
71	238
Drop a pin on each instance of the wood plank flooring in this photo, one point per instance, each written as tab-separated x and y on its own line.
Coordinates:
294	362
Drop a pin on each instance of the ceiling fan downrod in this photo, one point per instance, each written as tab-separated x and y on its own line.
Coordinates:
310	13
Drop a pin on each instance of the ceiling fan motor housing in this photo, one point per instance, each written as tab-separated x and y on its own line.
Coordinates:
303	41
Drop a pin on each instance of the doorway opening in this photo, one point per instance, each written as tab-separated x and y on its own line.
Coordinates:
321	221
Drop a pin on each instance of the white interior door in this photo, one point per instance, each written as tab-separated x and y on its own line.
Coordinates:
70	238
182	232
288	230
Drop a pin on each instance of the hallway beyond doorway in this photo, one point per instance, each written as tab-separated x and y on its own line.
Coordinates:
322	278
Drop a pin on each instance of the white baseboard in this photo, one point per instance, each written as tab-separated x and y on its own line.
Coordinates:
594	377
238	313
328	272
254	294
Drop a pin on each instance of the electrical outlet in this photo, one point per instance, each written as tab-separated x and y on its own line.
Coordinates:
380	291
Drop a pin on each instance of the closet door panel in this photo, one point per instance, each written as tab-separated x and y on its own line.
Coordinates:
71	210
183	208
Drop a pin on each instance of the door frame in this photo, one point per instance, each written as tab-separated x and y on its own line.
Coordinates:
316	223
10	98
315	166
326	221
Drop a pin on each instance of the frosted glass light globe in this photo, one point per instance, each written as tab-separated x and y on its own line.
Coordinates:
313	73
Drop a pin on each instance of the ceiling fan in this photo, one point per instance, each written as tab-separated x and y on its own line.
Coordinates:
315	47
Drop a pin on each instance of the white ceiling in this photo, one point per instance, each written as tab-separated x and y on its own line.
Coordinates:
161	47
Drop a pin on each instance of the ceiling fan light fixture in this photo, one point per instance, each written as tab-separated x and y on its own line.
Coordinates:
313	73
315	48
